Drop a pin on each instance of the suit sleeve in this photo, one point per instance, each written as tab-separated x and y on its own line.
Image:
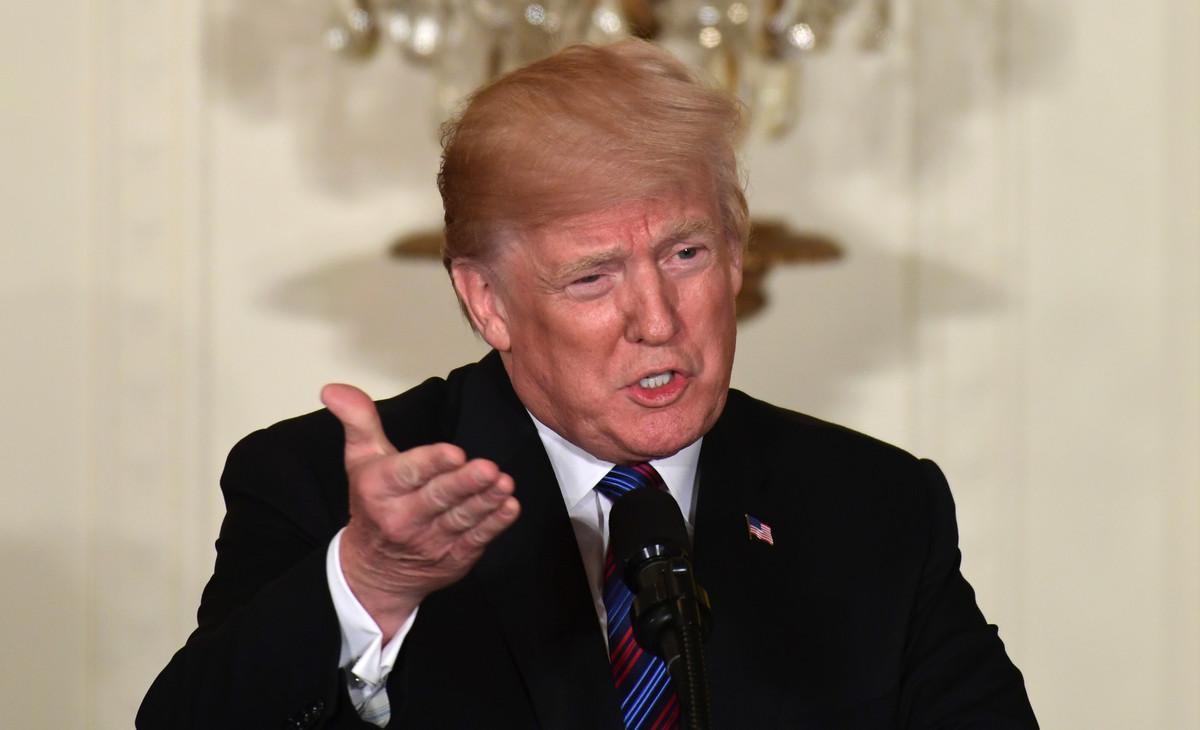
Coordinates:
957	674
265	653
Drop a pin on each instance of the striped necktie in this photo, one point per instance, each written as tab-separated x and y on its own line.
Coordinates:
643	683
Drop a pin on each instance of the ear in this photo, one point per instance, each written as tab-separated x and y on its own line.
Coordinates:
477	291
737	251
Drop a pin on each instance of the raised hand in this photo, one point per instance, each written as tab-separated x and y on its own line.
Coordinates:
419	519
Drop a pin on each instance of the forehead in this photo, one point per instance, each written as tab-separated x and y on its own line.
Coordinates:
632	224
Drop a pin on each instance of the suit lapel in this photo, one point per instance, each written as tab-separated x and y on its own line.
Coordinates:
731	485
740	574
532	574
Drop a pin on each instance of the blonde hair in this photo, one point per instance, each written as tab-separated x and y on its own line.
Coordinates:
581	131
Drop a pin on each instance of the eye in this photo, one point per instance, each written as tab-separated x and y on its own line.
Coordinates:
589	286
688	257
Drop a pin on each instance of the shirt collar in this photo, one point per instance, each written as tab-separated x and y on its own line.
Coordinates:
578	472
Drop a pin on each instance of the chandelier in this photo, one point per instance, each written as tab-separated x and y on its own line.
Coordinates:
751	48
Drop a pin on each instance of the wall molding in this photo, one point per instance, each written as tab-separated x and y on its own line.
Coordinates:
1180	355
149	294
966	285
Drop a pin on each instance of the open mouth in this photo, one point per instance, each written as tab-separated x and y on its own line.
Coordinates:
659	389
653	382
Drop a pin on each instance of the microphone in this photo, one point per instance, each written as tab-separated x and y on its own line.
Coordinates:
671	612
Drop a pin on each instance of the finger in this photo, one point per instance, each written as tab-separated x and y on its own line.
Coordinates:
496	522
470	512
414	468
360	420
449	489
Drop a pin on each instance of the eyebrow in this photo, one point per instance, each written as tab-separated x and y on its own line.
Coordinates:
591	261
686	229
677	233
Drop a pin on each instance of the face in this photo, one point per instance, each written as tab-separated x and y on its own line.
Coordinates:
617	328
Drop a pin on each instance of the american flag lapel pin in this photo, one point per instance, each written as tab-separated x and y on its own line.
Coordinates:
759	530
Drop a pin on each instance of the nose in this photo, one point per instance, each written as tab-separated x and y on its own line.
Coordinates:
651	315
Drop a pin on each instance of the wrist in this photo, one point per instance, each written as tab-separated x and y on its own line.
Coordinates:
388	604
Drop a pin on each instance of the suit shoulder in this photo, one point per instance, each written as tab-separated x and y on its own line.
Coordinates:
303	455
407	418
863	485
828	453
783	429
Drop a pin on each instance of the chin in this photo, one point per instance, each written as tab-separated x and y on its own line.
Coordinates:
651	451
666	433
658	445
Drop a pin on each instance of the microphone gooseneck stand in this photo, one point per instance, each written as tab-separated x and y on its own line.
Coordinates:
670	619
670	612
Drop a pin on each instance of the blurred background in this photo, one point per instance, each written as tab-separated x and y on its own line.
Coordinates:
982	225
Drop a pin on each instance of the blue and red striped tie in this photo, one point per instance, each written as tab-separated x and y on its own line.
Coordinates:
643	683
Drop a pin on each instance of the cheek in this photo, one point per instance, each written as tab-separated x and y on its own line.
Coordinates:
583	329
709	306
561	343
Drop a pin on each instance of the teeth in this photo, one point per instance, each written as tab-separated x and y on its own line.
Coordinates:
655	381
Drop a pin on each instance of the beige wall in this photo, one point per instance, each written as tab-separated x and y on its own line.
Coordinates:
197	199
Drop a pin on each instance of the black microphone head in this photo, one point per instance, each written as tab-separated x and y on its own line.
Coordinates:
646	523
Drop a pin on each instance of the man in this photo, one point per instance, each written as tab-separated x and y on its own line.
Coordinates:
438	559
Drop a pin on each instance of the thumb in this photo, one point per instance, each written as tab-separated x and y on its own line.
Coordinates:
360	420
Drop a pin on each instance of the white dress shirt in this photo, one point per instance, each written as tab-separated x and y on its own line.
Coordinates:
369	661
578	473
365	658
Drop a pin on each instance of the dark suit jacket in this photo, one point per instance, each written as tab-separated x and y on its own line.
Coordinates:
857	616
